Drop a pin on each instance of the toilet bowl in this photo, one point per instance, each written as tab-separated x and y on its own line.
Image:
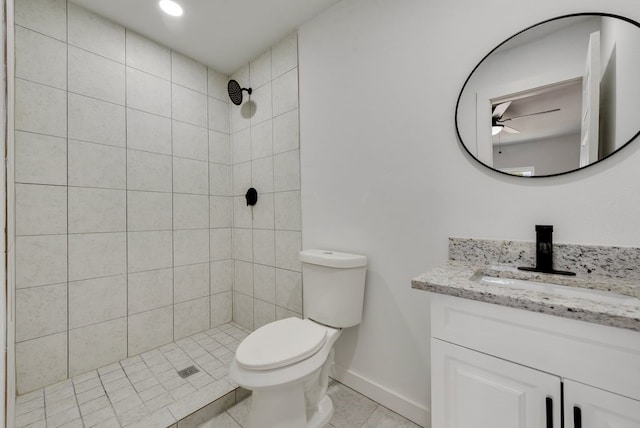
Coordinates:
286	363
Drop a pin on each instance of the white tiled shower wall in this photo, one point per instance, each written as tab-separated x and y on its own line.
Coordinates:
266	155
124	194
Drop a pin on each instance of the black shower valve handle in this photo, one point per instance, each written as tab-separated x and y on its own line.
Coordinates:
251	196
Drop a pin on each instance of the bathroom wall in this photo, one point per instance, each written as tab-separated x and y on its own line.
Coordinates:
548	156
265	150
123	193
384	175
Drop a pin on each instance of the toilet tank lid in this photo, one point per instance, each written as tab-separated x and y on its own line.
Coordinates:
332	259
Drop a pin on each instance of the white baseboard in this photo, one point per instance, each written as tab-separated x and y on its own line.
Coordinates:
411	410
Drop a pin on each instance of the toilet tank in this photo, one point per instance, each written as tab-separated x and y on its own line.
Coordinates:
333	287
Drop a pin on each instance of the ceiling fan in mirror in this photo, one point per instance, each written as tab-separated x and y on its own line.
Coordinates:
497	120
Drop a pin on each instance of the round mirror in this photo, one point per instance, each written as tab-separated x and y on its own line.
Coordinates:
556	97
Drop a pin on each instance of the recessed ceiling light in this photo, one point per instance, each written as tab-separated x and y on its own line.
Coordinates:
170	7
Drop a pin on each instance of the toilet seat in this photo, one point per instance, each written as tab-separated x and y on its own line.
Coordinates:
280	343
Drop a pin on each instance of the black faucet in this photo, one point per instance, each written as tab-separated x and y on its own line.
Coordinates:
544	252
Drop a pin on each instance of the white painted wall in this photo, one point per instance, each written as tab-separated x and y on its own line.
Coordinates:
383	173
549	155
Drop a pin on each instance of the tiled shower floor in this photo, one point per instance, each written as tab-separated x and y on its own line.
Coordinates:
141	391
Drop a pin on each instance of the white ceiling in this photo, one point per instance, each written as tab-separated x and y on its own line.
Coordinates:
223	34
566	97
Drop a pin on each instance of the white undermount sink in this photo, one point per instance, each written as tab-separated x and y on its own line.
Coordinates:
559	290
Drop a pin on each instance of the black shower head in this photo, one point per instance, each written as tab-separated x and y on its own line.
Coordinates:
235	92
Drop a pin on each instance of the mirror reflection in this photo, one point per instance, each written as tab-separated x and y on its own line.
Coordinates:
557	97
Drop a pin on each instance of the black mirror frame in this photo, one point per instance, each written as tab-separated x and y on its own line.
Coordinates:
609	15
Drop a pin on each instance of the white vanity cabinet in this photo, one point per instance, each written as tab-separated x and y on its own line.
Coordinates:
472	389
589	407
498	367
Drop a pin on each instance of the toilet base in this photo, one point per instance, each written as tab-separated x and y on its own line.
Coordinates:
322	417
285	409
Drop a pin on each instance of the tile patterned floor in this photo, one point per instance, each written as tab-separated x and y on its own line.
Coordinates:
142	391
351	410
146	391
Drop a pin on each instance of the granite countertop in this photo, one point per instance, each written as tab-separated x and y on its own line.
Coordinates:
455	279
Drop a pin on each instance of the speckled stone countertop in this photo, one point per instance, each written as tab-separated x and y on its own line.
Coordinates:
459	278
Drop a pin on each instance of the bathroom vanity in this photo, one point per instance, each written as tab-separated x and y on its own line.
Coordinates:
511	349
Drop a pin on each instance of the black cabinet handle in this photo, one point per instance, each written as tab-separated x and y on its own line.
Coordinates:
549	412
577	417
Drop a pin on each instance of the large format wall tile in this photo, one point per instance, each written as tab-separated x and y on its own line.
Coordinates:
96	165
148	93
191	282
97	210
149	211
41	260
190	176
243	277
97	345
217	85
40	109
148	56
97	300
96	121
191	317
264	286
41	362
148	171
190	246
96	76
221	308
219	148
41	210
262	140
286	132
266	283
263	107
220	244
148	132
94	255
149	330
190	141
40	59
44	16
190	211
40	159
188	73
284	55
95	33
188	106
149	250
263	313
285	92
219	115
124	192
41	311
150	290
221	276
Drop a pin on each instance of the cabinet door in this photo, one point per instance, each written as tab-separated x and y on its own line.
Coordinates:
597	408
474	390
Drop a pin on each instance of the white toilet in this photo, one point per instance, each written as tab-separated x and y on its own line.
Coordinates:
286	363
